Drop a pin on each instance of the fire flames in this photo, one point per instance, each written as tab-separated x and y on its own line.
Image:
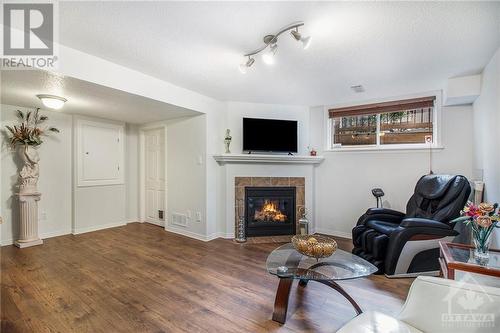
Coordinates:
270	212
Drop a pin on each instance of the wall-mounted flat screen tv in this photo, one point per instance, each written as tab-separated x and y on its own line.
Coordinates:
269	135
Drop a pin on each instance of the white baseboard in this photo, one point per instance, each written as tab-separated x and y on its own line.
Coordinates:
331	232
78	231
197	236
160	224
186	233
44	235
224	235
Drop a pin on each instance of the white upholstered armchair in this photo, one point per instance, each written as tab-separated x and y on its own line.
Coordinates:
437	305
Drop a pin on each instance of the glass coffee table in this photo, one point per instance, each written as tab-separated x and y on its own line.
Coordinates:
288	264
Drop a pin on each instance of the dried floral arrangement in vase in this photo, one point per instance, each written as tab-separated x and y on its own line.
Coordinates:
26	137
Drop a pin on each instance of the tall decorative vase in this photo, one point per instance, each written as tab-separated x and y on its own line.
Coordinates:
28	196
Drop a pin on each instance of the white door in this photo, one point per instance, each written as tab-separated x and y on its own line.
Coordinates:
155	181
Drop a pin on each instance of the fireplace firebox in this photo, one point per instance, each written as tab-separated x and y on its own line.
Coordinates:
269	211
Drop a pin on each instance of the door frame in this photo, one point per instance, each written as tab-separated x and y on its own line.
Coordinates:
142	171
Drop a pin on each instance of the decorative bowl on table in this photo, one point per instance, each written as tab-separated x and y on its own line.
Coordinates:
315	246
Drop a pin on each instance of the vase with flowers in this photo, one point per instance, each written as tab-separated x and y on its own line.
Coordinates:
26	137
482	219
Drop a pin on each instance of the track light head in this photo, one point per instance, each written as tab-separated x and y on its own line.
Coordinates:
296	34
268	57
244	67
306	42
250	62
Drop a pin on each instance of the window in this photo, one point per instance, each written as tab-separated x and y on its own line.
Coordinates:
404	122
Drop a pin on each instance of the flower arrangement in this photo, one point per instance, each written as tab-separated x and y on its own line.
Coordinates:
30	131
482	219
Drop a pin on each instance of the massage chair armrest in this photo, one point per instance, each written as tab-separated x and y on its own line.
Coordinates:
381	214
384	211
411	229
423	223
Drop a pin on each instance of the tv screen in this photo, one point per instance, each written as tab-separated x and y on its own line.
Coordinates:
269	135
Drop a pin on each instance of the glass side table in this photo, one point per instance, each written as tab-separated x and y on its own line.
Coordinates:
460	257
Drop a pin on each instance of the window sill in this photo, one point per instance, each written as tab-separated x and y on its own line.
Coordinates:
388	149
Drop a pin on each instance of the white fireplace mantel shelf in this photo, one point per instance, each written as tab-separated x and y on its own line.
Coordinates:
258	158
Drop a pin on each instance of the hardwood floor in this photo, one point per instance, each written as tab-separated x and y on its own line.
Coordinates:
139	278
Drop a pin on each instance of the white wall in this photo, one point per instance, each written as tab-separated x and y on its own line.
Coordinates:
55	181
186	174
65	208
215	180
486	127
236	111
101	206
344	179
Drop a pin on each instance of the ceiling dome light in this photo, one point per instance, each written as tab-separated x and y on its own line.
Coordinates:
52	101
244	67
306	41
268	57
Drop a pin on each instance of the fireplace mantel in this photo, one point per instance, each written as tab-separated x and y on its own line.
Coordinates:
258	158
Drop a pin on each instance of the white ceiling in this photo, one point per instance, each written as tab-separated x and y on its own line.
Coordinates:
85	98
384	46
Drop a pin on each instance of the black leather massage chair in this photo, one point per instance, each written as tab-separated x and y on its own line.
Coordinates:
407	244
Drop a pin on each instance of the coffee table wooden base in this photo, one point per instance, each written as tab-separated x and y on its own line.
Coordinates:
283	294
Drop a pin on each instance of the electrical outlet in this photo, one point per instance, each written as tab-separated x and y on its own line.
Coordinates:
189	214
43	216
198	216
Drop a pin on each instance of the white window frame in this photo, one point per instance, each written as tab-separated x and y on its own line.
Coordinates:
436	127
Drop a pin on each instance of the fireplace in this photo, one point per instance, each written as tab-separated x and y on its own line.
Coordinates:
270	211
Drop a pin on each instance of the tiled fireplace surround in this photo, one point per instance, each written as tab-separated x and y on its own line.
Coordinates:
241	182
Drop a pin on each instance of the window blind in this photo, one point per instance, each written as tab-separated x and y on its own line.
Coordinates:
392	106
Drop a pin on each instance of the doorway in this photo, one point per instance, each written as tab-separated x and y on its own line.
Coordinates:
154	176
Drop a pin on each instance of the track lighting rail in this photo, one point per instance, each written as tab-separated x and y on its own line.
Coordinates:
272	39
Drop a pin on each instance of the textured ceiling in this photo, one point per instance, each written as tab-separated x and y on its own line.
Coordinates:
385	46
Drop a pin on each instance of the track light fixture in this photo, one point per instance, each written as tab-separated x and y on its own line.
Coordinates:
271	41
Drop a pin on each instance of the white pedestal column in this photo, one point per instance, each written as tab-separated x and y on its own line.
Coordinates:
28	216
